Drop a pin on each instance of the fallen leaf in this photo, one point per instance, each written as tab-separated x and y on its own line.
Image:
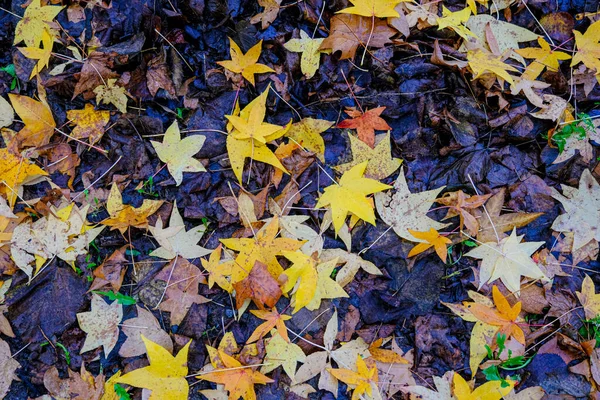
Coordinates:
301	277
404	210
365	124
273	319
94	73
311	53
101	324
393	376
239	382
456	21
373	8
40	54
281	352
364	381
442	385
264	247
259	286
112	94
65	234
7	114
581	207
269	14
175	240
430	239
111	272
482	61
491	390
89	123
384	355
109	388
245	64
307	133
381	163
588	48
349	196
352	263
544	58
459	204
16	171
554	108
78	386
350	31
38	120
248	135
8	366
218	271
122	216
144	324
165	376
588	298
35	20
507	260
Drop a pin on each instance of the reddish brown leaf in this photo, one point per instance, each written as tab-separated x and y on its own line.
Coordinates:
365	124
259	286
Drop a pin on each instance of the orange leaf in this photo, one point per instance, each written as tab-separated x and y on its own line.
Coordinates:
273	320
259	286
365	124
433	239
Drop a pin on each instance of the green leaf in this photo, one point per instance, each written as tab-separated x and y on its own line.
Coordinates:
119	297
121	392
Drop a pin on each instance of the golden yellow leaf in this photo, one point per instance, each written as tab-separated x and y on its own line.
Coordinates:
432	238
588	48
122	216
218	271
245	64
307	133
39	123
311	55
588	298
492	390
349	196
373	8
268	15
178	153
482	61
89	123
544	58
165	376
40	54
31	27
281	352
301	275
364	380
16	171
455	21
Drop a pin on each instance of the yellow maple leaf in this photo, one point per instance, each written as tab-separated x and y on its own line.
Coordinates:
35	20
492	390
311	55
588	298
178	153
248	135
264	247
432	239
373	8
307	133
327	288
364	380
281	352
122	216
455	21
349	196
239	382
16	171
269	14
544	58
217	271
40	54
38	120
165	376
482	61
245	64
301	275
588	48
381	163
89	123
112	94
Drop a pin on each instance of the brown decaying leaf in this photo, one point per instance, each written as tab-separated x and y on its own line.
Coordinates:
460	204
78	386
259	286
111	272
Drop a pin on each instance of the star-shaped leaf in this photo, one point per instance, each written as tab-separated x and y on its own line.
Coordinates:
364	380
245	64
352	262
582	211
482	61
165	376
16	171
365	124
507	260
112	94
349	196
588	48
239	382
311	53
178	153
248	135
218	271
264	247
144	324
89	123
175	240
373	8
460	204
301	276
381	163
307	133
30	28
430	239
281	352
273	319
38	119
404	210
543	57
101	325
492	390
455	21
259	286
327	288
41	54
268	15
122	216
